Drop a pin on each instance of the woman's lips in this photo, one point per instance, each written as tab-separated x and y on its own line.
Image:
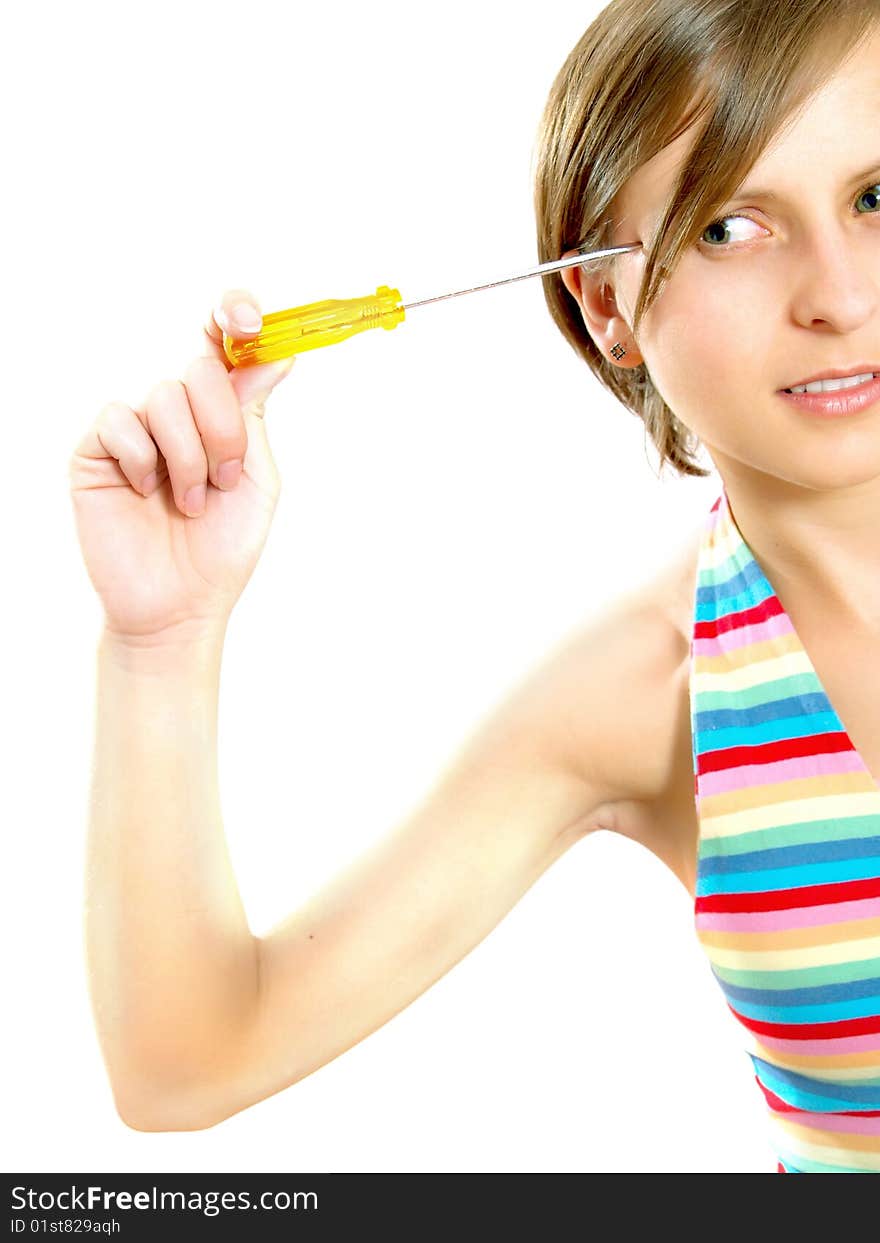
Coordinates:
838	404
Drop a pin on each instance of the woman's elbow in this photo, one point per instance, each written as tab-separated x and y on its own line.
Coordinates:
149	1110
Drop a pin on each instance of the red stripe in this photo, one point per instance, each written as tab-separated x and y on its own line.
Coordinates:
789	899
830	743
711	628
776	1103
811	1031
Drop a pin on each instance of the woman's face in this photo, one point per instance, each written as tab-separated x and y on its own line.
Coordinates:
791	288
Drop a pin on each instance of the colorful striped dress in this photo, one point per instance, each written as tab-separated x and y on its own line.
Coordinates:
787	901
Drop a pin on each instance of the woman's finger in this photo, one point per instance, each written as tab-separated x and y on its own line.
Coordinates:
119	438
172	425
218	417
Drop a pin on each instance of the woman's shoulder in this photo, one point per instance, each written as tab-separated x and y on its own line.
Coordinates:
637	714
625	673
660	811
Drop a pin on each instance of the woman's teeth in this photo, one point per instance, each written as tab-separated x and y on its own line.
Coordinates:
830	386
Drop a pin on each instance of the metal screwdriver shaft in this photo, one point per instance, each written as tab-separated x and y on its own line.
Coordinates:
552	266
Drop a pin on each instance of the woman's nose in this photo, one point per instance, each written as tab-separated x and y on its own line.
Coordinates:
838	281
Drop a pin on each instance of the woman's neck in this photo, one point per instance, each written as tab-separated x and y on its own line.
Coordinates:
821	545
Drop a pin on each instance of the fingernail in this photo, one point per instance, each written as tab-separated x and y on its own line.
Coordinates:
194	501
149	483
246	316
228	473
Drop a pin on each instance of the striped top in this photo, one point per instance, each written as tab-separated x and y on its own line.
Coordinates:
787	902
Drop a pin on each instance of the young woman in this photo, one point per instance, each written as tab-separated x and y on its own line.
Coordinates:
737	144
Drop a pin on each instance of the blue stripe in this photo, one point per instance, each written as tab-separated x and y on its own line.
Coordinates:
814	1094
788	708
790	878
833	1012
791	856
732	594
800	726
729	606
816	994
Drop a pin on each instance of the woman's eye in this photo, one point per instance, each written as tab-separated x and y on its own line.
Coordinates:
719	230
872	195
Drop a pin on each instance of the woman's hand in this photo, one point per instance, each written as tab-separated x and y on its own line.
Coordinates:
162	563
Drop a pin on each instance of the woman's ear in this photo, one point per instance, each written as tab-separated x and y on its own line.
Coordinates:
602	316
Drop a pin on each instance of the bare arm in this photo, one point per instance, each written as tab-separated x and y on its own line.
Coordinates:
199	1019
171	959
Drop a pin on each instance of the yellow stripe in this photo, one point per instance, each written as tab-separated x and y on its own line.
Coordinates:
821	796
750	664
792	959
839	1067
850	930
828	1146
723	538
862	799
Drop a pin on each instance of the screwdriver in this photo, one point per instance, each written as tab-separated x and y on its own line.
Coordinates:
308	327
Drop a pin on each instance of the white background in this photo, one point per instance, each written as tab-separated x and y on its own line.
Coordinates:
458	494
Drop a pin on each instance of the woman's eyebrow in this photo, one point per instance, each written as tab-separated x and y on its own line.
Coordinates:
774	196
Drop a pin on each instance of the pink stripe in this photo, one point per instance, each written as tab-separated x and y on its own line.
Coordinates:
744	636
870	1042
780	921
833	1122
744	776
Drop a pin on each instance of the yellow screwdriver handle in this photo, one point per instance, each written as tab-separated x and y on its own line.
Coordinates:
319	323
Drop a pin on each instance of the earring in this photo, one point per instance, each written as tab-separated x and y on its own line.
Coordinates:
617	350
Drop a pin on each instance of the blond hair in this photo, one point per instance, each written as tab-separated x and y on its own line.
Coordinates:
642	73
